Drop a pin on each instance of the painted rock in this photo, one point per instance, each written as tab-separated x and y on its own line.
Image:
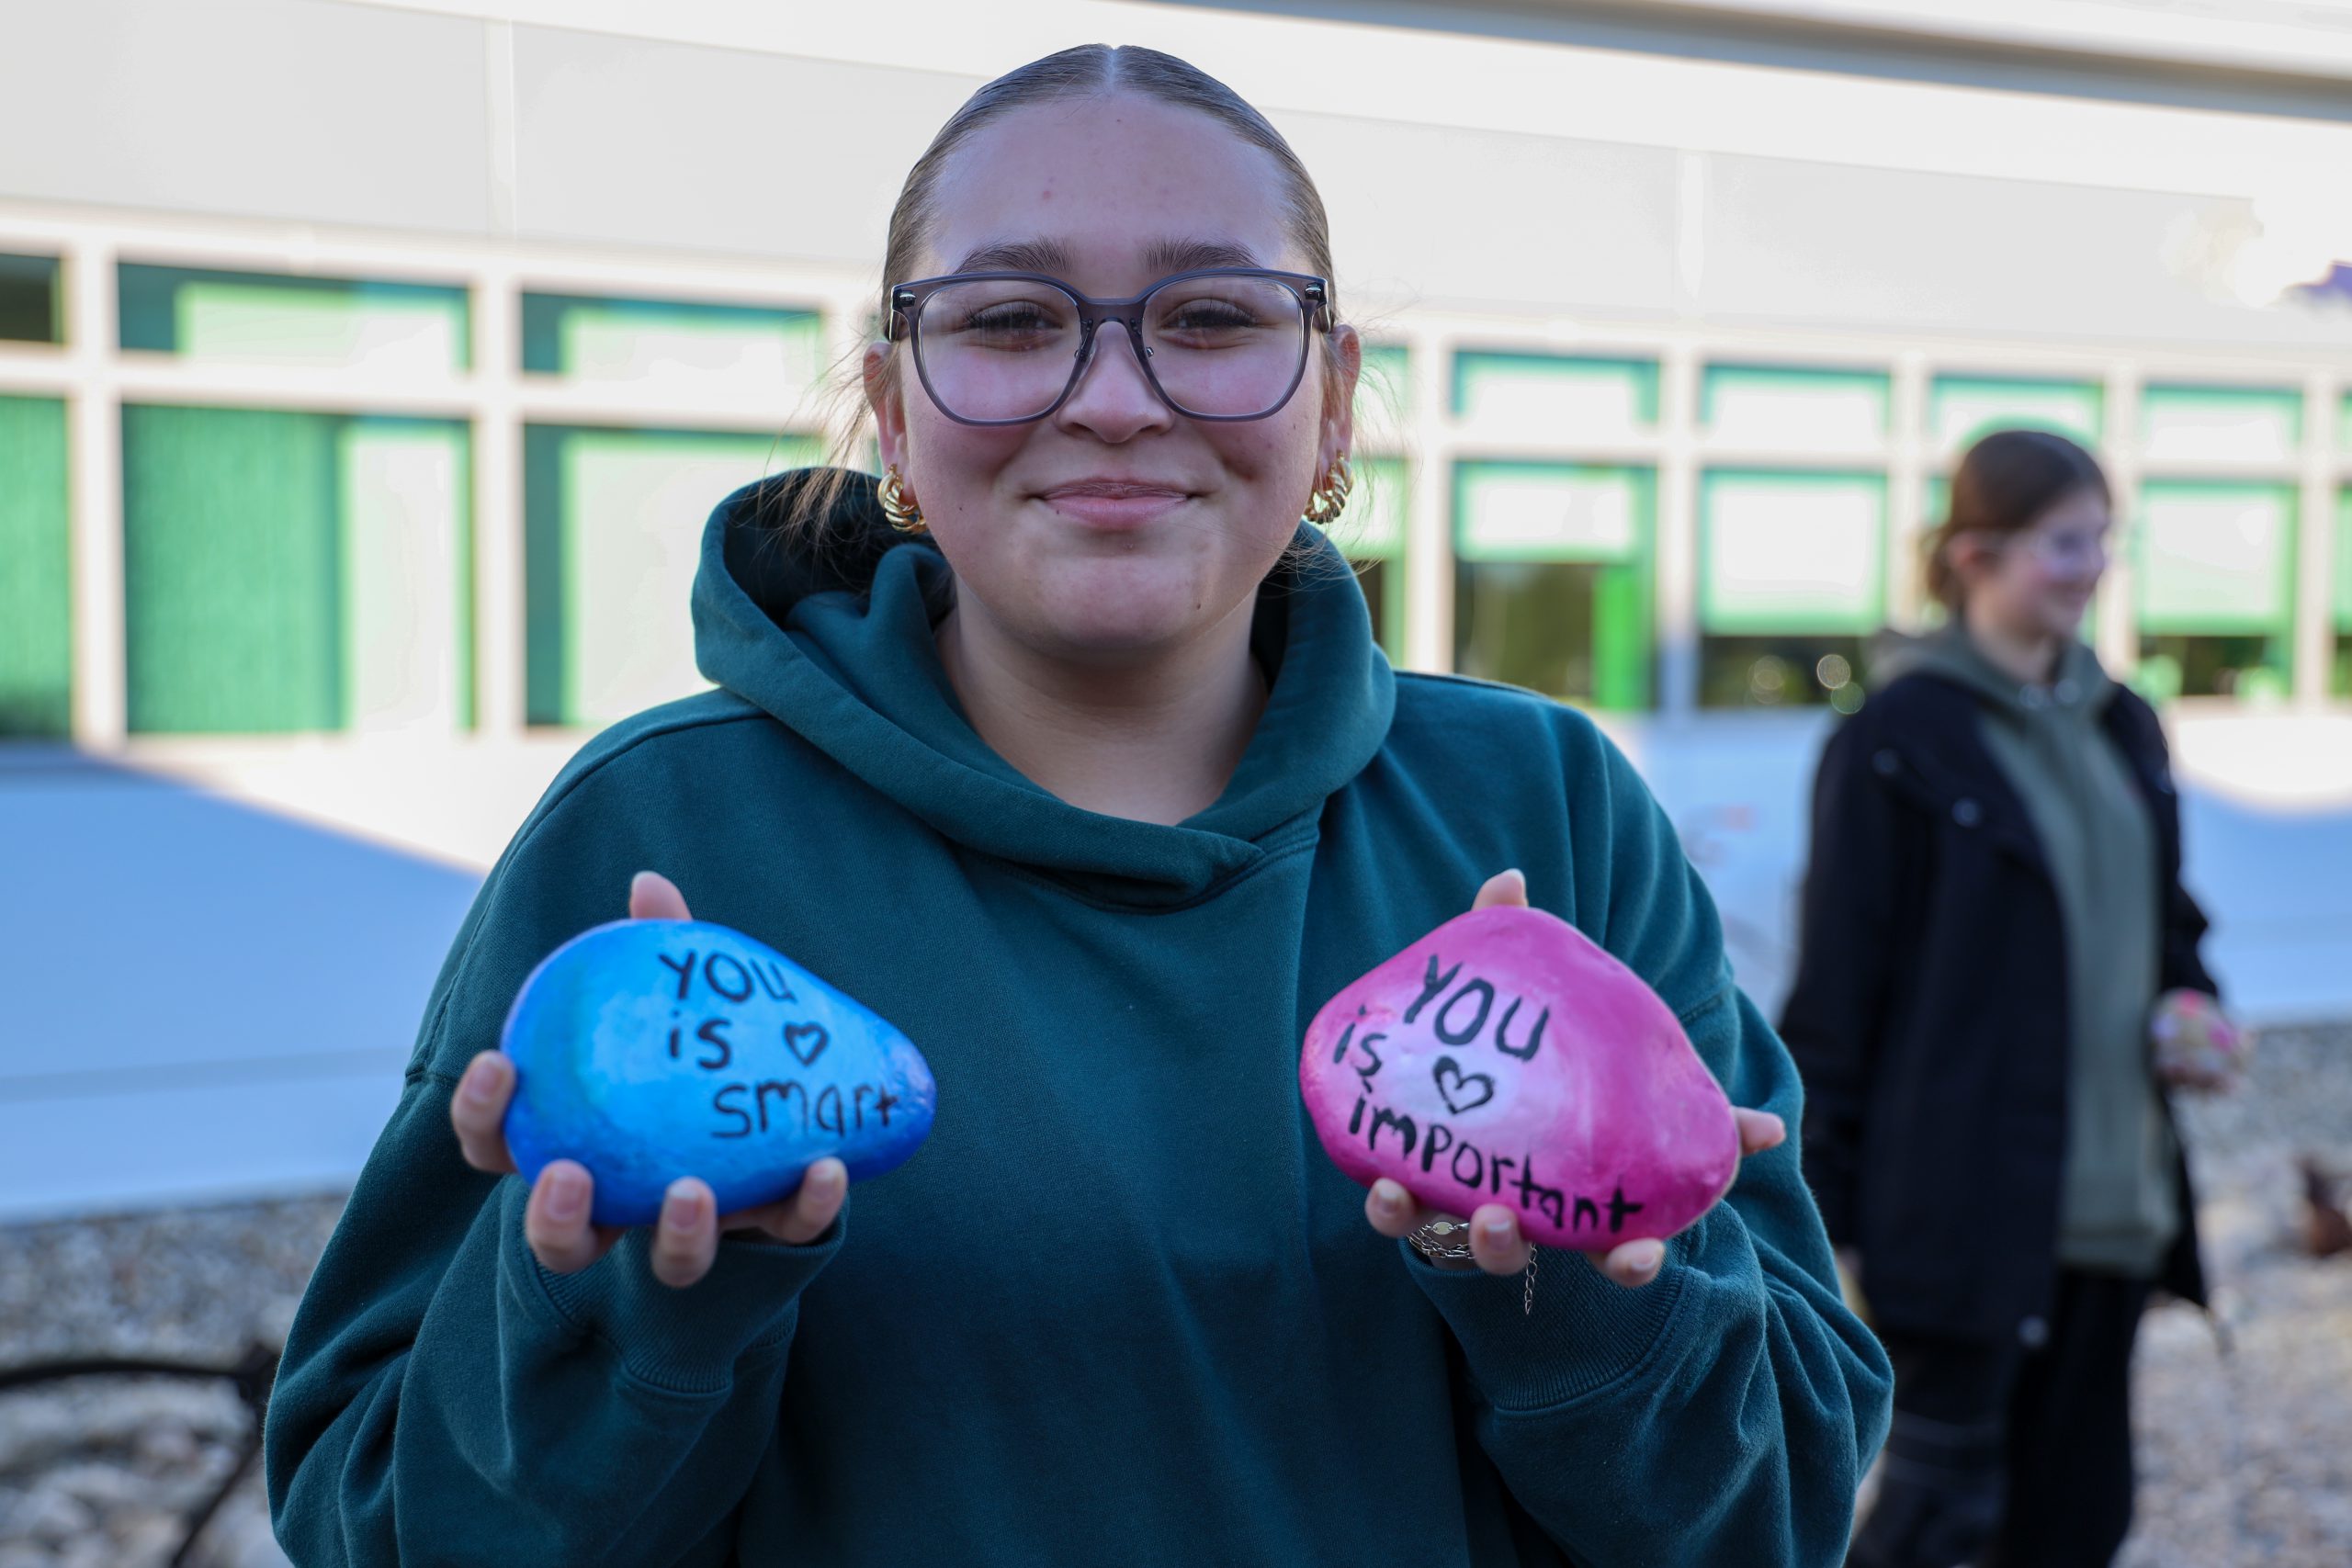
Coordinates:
648	1050
1505	1058
2196	1044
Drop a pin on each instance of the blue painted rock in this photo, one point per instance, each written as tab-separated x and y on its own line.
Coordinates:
648	1050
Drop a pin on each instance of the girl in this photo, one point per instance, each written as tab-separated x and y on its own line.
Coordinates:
1067	749
1992	908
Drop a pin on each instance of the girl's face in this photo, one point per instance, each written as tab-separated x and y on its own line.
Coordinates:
2038	581
1115	527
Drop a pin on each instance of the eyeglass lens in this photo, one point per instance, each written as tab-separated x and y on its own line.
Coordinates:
1218	346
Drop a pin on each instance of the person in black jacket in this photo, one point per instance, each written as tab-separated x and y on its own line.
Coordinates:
1992	910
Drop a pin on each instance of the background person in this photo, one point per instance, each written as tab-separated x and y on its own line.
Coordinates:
1993	906
1070	751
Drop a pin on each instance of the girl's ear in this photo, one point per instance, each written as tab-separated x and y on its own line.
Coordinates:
1338	432
887	402
1973	555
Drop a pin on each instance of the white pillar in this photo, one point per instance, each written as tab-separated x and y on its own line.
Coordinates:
2315	542
1429	530
501	632
101	697
2117	636
1675	553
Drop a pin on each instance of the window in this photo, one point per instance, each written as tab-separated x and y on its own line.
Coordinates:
1791	578
33	306
35	582
260	318
2213	568
1792	407
1553	580
2203	423
1384	397
295	572
2341	599
1963	408
1554	398
612	523
596	339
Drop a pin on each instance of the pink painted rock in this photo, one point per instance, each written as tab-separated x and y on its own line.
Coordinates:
1505	1058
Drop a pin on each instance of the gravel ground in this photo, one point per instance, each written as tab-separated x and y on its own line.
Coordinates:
2246	1457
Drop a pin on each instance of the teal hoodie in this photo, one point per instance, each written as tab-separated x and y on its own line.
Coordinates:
1121	1308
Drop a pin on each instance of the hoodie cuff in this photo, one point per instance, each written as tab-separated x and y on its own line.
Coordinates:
1585	1333
684	1341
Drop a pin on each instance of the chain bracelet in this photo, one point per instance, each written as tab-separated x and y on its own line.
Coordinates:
1527	1301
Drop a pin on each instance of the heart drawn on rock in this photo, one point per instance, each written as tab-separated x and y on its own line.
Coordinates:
1507	1058
795	1032
648	1050
1455	1086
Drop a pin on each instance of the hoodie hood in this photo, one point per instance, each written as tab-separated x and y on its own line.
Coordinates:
2081	689
830	632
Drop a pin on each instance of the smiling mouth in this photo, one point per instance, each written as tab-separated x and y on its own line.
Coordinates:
1111	503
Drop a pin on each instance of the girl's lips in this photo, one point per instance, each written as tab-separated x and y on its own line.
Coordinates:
1114	506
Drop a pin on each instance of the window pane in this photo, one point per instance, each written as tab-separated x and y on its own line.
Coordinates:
1780	671
295	572
1384	397
1792	552
1553	397
1511	510
1570	629
1380	579
1755	405
259	319
2343	594
1962	408
36	584
2214	558
31	305
613	527
2186	422
1374	524
594	339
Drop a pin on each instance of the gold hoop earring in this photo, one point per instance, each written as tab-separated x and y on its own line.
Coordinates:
899	507
1329	497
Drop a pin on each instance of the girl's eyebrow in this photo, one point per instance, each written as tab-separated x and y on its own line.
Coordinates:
1166	255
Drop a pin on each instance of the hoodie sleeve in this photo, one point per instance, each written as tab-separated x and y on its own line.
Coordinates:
1727	1411
445	1399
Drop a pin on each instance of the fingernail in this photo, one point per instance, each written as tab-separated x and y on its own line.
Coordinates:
567	1195
682	1205
475	1086
1498	1232
1388	1195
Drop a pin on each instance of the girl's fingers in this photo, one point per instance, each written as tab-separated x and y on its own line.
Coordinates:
478	1111
1390	1208
1759	1131
1503	888
653	897
1635	1264
807	1214
686	1238
1495	1240
556	1220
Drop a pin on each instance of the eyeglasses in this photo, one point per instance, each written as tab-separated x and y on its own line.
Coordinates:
2069	553
1008	347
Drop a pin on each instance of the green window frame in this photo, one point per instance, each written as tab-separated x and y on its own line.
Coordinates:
1795	405
1960	408
2191	546
294	571
613	519
2342	566
36	582
609	338
268	319
1372	533
1850	602
1512	520
2188	420
1569	396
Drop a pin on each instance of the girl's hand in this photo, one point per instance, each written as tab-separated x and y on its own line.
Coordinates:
1495	1240
686	1238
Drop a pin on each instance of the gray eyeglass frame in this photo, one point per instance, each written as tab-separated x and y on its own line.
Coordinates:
903	302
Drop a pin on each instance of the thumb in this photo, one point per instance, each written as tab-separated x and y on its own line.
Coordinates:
1507	888
653	897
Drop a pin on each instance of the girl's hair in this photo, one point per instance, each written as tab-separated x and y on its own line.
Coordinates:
1086	70
2004	485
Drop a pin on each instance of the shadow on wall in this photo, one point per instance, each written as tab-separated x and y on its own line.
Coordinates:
198	999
